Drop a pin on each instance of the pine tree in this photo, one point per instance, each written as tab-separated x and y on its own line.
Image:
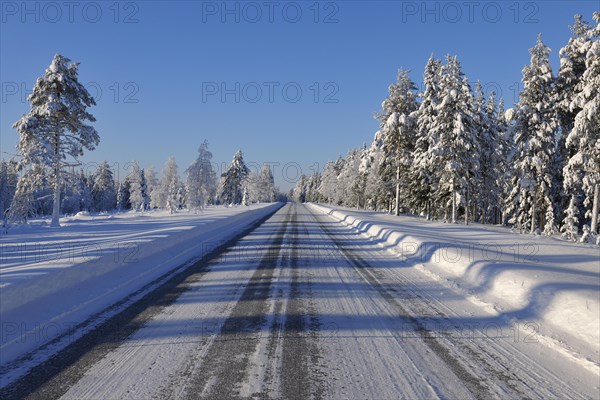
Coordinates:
398	129
136	194
167	188
232	181
423	177
103	191
56	124
534	127
124	195
583	167
8	187
266	185
201	179
569	227
455	152
151	184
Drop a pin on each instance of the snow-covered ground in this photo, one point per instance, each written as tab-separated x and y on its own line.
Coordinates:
549	283
53	279
315	310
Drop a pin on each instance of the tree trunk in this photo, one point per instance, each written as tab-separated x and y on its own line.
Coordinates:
533	211
594	227
57	183
454	206
398	190
467	207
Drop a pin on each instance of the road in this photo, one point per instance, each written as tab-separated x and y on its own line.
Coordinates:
303	308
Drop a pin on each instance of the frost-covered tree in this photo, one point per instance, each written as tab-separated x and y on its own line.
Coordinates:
77	193
103	191
8	186
347	180
136	190
31	191
583	167
124	195
398	130
569	228
492	157
232	181
201	180
455	153
144	190
328	185
151	183
424	180
167	188
534	123
245	197
56	126
266	184
570	74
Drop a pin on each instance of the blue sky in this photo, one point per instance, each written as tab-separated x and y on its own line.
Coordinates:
290	83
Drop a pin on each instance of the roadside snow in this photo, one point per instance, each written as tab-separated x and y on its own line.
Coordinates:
108	258
553	283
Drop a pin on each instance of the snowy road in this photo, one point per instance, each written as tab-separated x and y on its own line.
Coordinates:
304	307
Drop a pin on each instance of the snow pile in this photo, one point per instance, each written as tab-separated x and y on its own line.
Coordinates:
551	282
40	308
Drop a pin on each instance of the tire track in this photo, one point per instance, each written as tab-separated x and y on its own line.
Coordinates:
225	365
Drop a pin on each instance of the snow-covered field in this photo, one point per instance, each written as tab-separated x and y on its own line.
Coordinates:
53	279
553	284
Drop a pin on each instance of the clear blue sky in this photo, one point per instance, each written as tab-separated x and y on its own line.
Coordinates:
158	64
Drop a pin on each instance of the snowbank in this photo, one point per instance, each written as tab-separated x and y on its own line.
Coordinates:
36	310
523	277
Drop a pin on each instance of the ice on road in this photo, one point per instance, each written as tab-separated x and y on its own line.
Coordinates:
304	307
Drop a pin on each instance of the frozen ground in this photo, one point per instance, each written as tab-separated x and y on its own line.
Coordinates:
55	279
307	307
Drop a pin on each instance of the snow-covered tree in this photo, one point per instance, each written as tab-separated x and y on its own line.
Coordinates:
136	192
245	197
583	167
328	185
56	126
455	153
103	191
232	181
266	184
398	130
31	190
167	188
201	180
124	195
424	180
151	184
570	74
534	125
492	158
569	228
8	186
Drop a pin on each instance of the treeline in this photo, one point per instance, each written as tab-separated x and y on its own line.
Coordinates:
452	152
29	193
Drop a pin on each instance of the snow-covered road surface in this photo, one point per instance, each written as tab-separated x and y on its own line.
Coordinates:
304	307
